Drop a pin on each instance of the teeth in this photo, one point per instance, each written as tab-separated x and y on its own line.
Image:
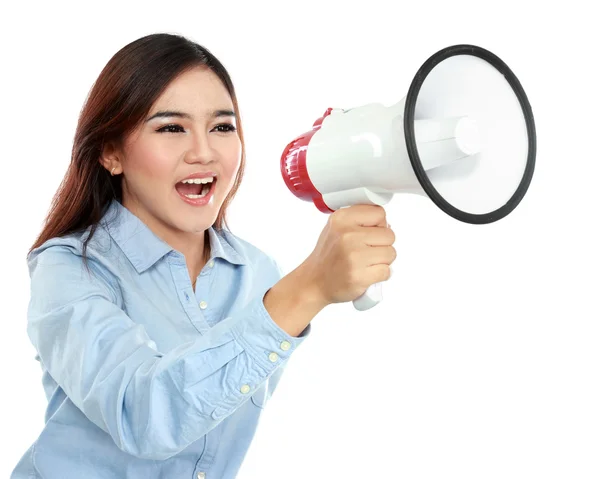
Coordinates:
199	181
204	192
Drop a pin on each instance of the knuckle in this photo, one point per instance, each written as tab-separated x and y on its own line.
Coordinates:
387	272
384	272
387	237
392	236
334	219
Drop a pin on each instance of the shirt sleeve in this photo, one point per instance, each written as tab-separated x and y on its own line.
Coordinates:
153	405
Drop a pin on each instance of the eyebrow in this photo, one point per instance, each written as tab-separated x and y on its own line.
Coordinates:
181	114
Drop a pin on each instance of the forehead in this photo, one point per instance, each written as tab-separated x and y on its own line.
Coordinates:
197	90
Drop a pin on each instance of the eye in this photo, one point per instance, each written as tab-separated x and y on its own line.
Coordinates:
224	127
171	129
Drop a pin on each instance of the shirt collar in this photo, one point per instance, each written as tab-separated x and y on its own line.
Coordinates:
143	248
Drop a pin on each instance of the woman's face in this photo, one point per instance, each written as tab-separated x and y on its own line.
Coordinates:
189	132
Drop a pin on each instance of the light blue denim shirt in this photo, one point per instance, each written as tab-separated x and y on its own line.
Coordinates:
144	377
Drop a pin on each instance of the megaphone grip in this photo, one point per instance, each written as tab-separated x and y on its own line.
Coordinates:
372	296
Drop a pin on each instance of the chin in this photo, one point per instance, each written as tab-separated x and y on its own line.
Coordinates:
194	225
197	224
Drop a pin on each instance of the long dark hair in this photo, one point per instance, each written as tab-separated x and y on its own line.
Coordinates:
119	100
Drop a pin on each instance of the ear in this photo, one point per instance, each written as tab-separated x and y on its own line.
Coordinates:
111	159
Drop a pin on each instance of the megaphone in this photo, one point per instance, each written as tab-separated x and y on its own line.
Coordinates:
463	136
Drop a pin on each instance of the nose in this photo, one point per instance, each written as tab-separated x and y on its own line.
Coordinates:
199	149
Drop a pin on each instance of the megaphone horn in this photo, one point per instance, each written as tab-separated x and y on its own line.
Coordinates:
463	136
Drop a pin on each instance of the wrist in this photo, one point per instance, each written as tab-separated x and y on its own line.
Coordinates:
305	286
294	301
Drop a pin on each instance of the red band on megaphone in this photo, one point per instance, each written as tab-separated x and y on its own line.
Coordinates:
293	168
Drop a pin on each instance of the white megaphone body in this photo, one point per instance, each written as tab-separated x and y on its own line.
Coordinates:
464	136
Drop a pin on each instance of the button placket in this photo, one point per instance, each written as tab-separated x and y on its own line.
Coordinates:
203	287
208	268
185	292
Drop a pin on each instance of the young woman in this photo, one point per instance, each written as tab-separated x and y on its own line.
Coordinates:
161	335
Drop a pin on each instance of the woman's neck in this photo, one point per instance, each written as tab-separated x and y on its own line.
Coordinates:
195	247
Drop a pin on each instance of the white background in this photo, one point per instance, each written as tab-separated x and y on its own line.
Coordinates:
483	360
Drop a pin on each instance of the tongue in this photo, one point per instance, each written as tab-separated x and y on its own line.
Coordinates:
188	188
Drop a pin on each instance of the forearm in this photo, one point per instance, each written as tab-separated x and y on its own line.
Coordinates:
293	302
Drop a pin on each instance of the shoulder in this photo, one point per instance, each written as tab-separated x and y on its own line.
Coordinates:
71	247
60	262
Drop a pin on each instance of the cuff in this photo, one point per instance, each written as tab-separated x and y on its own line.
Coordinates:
263	339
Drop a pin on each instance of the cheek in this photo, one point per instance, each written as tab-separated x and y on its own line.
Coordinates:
232	161
150	162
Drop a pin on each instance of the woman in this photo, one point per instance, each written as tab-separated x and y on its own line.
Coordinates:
160	333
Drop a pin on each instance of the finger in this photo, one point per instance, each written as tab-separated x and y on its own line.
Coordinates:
377	273
367	215
382	255
376	255
380	236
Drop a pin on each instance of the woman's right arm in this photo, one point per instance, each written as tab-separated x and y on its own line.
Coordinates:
154	404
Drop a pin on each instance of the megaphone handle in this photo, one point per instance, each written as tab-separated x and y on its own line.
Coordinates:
372	296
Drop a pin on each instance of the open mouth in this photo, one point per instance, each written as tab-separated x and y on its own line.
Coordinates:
195	188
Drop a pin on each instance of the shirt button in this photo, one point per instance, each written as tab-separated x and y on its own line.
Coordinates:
203	304
201	475
245	389
285	345
211	263
273	357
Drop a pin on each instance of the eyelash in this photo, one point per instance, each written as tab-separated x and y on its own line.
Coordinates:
166	128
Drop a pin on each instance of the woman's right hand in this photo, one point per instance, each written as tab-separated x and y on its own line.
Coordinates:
354	251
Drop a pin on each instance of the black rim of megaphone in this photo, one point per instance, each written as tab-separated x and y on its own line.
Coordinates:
411	144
